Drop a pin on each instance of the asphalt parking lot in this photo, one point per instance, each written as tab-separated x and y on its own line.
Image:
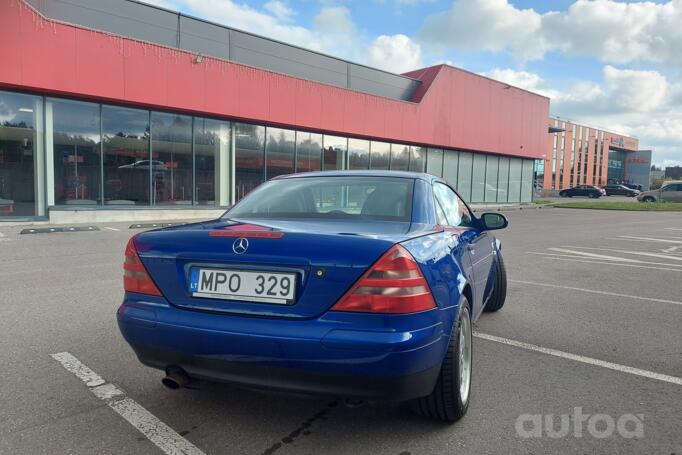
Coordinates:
591	334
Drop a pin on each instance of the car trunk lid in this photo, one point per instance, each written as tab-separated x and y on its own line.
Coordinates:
325	257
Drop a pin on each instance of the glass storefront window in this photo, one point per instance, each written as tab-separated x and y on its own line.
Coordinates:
503	179
492	190
400	157
417	159
308	151
515	165
171	163
211	148
379	155
76	155
358	154
279	152
334	153
110	155
450	166
21	178
478	178
466	161
434	162
527	181
127	164
249	144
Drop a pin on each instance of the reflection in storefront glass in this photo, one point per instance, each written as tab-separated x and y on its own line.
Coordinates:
249	157
18	148
75	151
127	167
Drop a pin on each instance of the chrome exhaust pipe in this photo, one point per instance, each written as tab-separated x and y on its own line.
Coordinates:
176	378
353	403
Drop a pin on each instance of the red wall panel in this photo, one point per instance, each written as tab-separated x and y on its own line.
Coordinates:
452	107
102	62
152	87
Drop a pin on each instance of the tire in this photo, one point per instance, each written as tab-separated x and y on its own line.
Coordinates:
449	399
648	199
499	295
591	195
562	194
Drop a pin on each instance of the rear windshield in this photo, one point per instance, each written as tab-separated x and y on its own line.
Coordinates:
363	198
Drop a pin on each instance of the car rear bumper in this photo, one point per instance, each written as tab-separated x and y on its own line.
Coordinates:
380	357
294	380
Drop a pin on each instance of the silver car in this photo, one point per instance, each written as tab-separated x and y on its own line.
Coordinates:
669	192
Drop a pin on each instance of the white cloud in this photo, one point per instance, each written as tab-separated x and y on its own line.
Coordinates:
402	3
492	25
332	31
642	91
522	79
336	21
614	32
618	32
624	90
279	9
273	22
395	53
628	101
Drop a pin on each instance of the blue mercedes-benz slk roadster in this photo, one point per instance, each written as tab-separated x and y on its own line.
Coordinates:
357	284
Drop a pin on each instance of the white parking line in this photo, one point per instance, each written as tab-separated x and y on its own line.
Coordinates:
145	422
110	228
563	257
593	291
582	359
595	257
640	253
672	250
592	255
650	239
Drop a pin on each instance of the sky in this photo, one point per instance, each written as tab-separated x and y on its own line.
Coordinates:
611	64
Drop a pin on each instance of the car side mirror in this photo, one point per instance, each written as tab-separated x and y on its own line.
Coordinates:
492	221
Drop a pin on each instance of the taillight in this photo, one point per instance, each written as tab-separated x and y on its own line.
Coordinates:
135	276
394	284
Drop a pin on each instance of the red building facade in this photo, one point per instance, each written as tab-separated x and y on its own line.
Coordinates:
94	118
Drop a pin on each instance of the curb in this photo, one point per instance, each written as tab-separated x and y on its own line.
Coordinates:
512	208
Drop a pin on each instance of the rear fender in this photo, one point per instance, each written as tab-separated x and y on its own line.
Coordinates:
447	274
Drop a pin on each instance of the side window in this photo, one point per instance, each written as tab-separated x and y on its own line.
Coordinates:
673	187
454	210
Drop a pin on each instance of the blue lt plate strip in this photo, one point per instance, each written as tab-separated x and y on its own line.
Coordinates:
194	280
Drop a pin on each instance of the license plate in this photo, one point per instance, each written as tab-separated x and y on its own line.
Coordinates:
253	286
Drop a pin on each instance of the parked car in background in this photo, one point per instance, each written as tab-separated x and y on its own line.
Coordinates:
633	186
620	190
584	191
669	192
145	164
